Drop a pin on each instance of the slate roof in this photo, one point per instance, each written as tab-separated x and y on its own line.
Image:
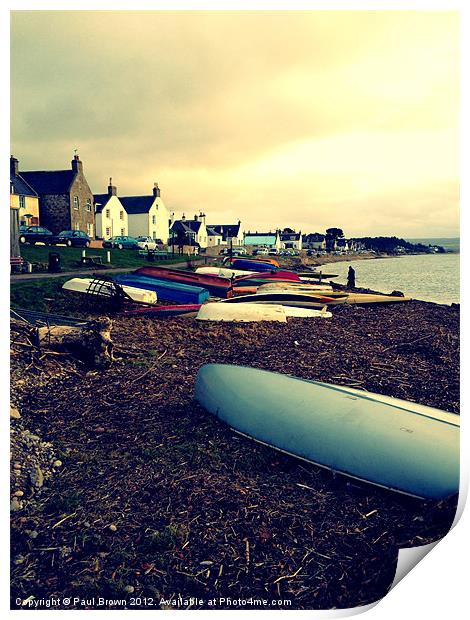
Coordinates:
212	232
227	230
137	204
20	186
50	181
185	226
290	236
102	199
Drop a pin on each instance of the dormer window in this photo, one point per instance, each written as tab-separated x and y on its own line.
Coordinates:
75	202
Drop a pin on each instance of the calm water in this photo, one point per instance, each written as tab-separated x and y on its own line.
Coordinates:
429	277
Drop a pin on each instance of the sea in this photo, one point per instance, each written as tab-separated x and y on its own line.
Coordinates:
428	277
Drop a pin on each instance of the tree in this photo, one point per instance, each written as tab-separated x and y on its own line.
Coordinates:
332	234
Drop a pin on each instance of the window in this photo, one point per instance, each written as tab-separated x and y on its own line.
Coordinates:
89	228
22	202
154	234
154	219
108	213
123	232
121	215
108	232
88	204
76	226
75	202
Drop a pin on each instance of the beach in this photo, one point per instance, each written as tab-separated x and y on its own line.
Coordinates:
198	509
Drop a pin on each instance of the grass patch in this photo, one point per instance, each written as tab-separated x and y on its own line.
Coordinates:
70	257
34	294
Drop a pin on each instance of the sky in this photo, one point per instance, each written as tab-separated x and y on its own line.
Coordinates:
308	119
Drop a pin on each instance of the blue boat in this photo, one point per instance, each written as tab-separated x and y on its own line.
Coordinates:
251	265
168	291
392	443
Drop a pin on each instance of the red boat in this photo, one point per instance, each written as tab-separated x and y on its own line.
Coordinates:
216	285
262	277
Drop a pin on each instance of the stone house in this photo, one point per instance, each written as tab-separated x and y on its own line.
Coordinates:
65	198
111	218
23	197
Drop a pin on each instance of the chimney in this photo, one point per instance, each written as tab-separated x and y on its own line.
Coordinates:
77	165
13	166
202	216
156	190
112	189
195	218
183	217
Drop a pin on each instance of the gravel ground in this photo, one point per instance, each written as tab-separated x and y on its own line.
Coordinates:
156	498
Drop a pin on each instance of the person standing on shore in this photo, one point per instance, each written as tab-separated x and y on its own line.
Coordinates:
351	277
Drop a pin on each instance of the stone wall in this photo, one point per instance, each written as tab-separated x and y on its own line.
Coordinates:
55	212
81	218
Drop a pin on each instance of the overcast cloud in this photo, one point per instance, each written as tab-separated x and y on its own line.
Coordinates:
300	119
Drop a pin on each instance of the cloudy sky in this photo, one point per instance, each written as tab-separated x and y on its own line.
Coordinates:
302	119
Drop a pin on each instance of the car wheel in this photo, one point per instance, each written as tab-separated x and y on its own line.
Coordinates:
22	239
120	246
87	244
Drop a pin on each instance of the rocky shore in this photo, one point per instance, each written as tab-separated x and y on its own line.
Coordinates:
154	497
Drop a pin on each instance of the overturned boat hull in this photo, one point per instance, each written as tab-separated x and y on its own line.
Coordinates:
101	288
392	443
168	291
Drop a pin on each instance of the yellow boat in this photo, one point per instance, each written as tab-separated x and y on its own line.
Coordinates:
365	298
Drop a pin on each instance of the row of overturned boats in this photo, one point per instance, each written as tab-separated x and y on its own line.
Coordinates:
241	290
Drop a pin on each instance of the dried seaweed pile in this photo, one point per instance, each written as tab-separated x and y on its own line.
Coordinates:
159	499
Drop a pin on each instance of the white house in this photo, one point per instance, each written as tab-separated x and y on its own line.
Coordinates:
231	233
213	237
190	232
314	241
147	215
110	215
291	240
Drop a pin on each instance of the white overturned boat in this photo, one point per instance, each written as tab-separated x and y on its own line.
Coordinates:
242	313
223	272
392	443
298	286
257	312
91	286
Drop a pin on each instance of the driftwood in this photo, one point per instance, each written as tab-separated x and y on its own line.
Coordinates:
91	344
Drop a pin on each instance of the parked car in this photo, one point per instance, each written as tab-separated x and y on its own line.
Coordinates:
235	252
121	242
72	238
272	252
146	243
261	252
35	234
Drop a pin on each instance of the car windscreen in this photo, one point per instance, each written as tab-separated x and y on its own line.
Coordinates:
64	233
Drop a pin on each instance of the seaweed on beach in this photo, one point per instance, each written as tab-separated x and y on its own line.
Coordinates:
157	498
